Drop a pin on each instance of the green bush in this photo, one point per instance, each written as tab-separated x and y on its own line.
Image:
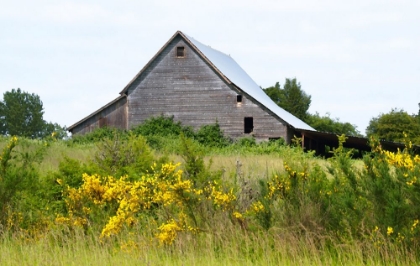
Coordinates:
212	136
96	135
118	157
19	184
162	126
246	142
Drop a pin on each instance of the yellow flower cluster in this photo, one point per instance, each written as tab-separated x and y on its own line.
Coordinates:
409	164
238	215
164	188
281	185
71	220
168	232
401	159
278	185
389	230
257	207
414	226
220	199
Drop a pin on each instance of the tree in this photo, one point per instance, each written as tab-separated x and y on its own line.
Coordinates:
274	93
327	124
291	98
395	126
21	114
55	130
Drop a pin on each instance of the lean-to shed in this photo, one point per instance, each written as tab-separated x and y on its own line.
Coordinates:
197	85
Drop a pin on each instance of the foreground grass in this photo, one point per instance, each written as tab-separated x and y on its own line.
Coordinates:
296	235
277	247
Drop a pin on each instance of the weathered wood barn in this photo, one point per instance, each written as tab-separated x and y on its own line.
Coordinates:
197	85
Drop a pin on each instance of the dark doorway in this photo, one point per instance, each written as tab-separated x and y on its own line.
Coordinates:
248	124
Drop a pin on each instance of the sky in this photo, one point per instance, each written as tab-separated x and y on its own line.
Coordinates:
357	59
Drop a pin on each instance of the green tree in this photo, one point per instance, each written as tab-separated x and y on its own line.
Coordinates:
291	98
21	114
394	125
327	124
274	93
55	130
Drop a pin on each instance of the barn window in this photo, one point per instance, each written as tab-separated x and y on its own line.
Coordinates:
248	125
239	98
180	51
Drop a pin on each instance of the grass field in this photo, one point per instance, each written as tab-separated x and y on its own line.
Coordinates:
243	207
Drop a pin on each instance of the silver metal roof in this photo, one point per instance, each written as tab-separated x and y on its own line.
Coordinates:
233	72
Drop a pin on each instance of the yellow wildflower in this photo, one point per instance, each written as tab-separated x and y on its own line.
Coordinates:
238	215
168	232
257	206
389	230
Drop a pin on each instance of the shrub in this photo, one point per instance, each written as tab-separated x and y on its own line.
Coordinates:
212	136
19	184
96	135
162	126
246	142
119	157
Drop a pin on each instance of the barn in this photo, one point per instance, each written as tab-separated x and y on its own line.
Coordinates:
197	85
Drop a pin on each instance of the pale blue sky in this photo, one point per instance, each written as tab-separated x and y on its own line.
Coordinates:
356	59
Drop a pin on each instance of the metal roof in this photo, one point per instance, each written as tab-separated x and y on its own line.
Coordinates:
228	67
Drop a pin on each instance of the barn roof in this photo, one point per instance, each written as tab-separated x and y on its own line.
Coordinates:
233	74
232	71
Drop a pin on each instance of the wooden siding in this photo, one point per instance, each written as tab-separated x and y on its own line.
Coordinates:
112	115
191	91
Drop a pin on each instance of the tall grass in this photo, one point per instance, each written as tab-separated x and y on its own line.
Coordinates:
254	204
234	247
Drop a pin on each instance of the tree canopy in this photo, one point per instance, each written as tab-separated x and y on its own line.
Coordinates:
327	124
291	98
294	100
21	114
397	125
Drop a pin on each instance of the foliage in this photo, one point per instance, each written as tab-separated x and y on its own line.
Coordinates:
211	136
165	193
331	204
248	145
246	142
275	93
193	157
18	182
327	124
393	125
119	157
21	114
294	100
291	98
55	130
162	126
97	135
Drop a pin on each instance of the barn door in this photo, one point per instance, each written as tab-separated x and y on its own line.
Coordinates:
248	125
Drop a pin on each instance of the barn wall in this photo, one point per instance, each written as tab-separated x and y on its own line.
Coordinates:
191	91
113	115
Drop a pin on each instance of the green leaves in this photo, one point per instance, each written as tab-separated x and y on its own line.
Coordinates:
327	124
21	114
291	98
396	125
